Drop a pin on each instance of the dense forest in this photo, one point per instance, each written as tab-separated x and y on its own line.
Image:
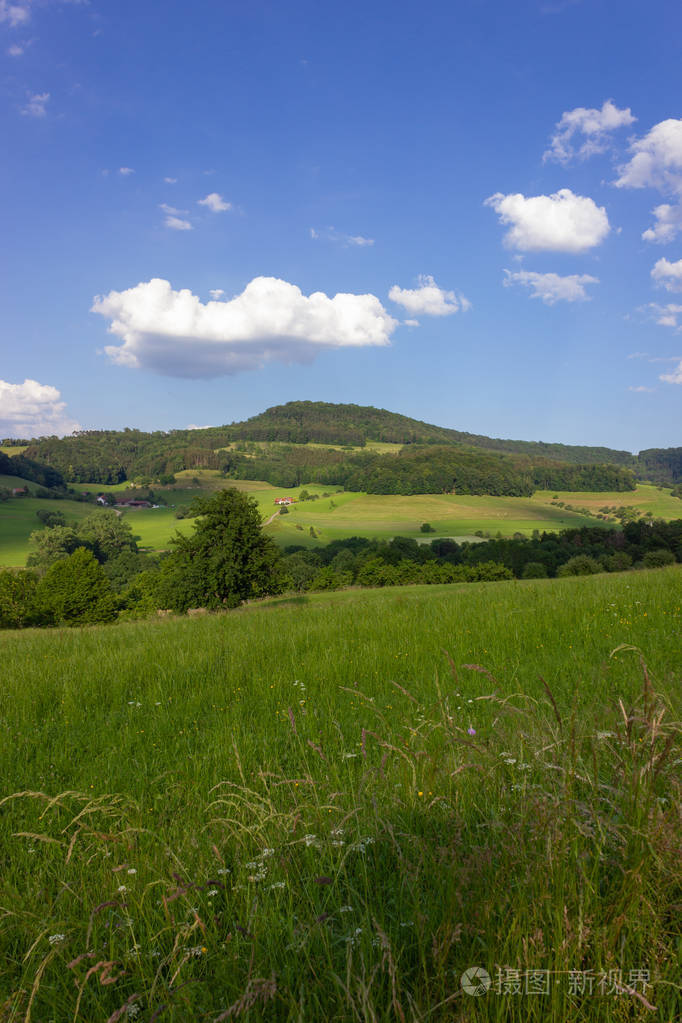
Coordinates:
272	447
27	469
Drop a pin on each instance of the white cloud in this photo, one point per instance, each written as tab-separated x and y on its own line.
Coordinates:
428	298
16	50
642	390
32	410
595	126
665	315
175	218
668	224
36	105
668	275
657	163
411	323
551	287
177	223
216	293
125	171
171	181
174	333
332	235
193	426
14	13
562	222
215	203
673	378
657	160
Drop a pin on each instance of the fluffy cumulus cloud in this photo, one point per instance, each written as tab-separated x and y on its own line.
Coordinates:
562	222
36	105
589	128
551	287
428	299
657	159
174	333
668	275
656	162
668	224
215	203
33	410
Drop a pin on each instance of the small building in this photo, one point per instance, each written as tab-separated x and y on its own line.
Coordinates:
284	500
101	499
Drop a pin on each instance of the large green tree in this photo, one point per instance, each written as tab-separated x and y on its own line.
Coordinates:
107	534
227	560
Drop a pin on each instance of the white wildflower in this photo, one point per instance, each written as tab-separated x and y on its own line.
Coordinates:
132	870
122	889
55	939
212	892
346	909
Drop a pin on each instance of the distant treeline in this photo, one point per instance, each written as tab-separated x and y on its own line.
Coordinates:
114	456
28	469
424	470
111	457
362	562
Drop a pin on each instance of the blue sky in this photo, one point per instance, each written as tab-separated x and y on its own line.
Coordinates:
469	212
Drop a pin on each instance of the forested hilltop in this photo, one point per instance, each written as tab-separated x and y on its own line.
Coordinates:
274	446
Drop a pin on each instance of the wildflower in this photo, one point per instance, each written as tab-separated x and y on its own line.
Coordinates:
132	870
277	884
213	891
346	909
122	889
310	839
267	852
55	939
471	731
133	1011
224	870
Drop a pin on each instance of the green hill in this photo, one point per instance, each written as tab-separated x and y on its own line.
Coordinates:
113	456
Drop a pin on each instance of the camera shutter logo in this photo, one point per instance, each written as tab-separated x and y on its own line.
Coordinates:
475	981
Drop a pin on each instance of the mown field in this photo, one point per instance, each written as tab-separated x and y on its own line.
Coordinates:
330	808
338	516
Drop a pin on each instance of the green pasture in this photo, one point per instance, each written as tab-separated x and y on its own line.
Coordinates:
18	520
10	449
331	807
646	497
385	516
337	516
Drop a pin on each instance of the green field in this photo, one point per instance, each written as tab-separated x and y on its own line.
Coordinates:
281	813
337	516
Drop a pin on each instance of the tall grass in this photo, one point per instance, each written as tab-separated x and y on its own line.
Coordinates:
332	808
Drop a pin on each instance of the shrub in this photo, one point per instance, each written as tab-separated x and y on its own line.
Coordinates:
534	570
658	558
581	564
75	590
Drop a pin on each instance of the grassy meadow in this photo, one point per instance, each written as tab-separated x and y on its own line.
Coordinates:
331	807
337	516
